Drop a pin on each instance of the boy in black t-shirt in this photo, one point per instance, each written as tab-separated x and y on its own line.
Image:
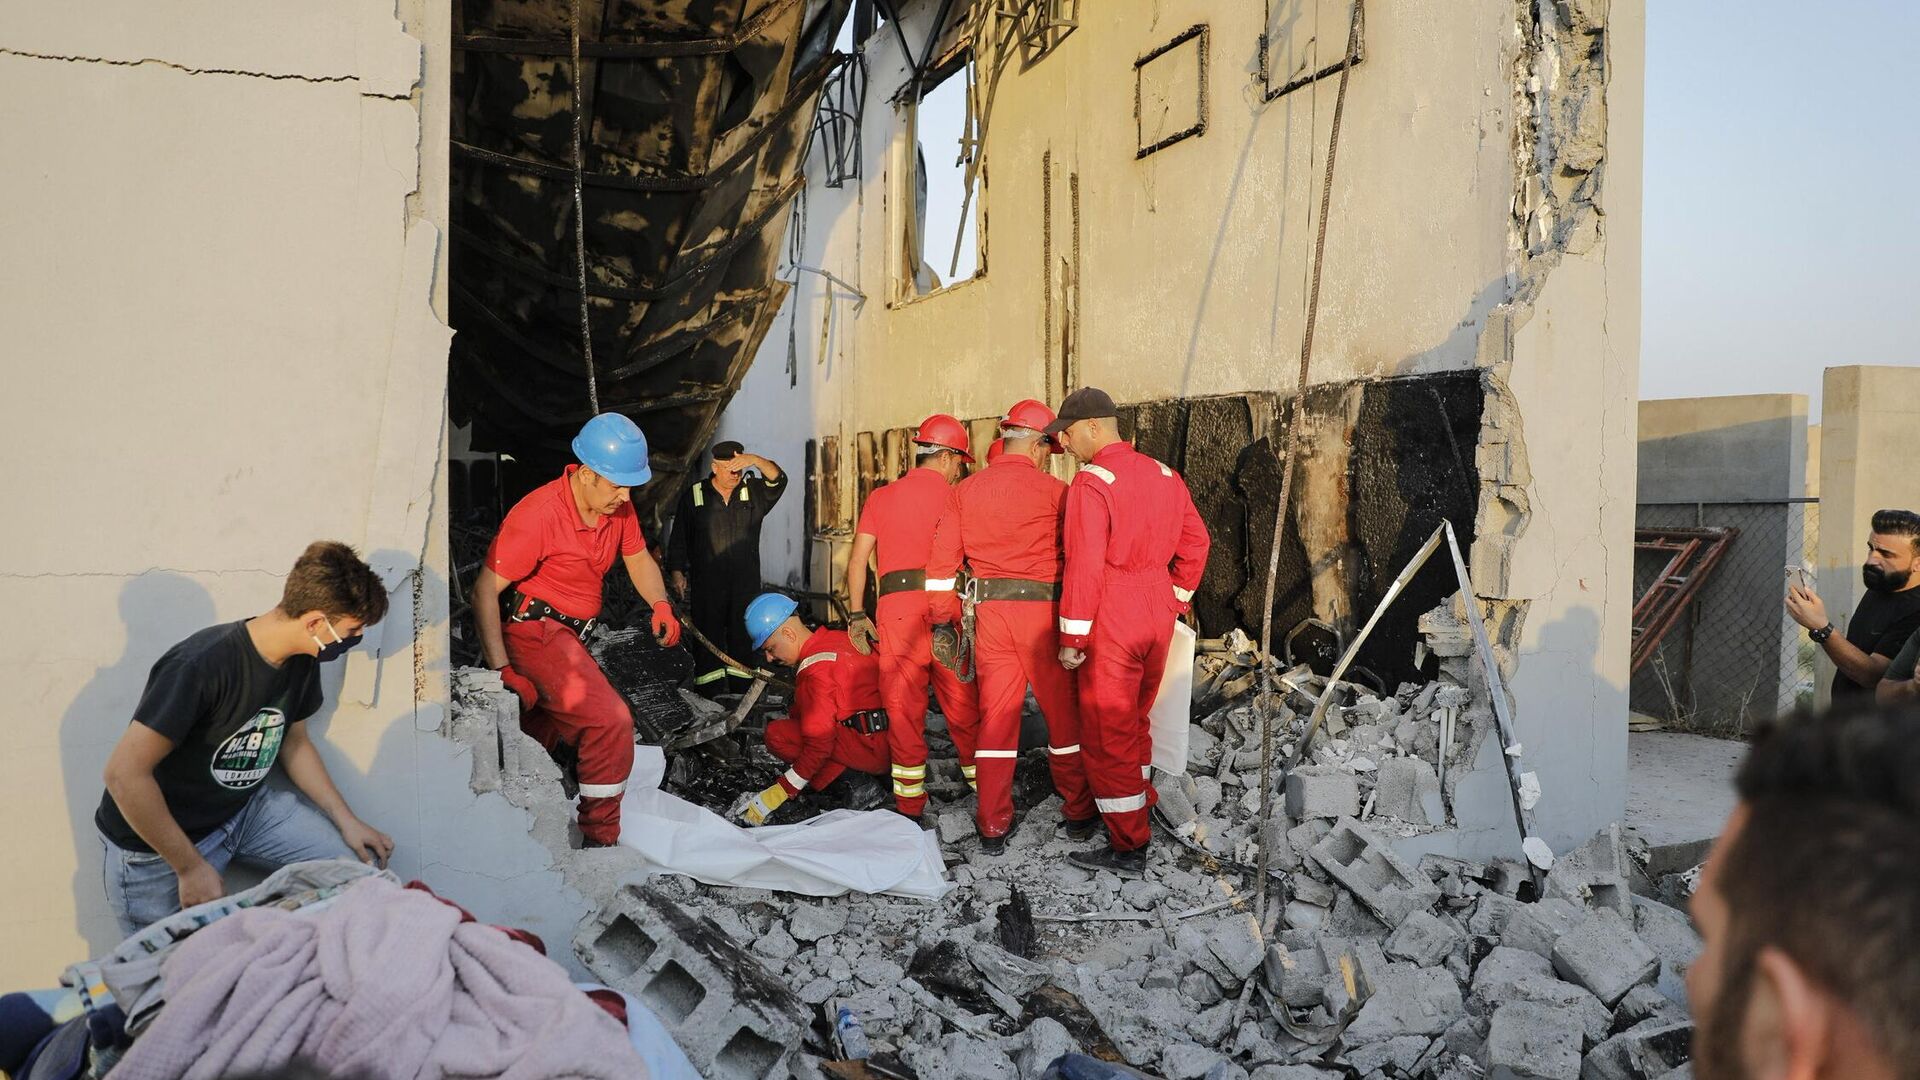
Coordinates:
1888	614
184	795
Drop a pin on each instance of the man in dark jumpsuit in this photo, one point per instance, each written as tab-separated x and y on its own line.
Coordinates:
713	556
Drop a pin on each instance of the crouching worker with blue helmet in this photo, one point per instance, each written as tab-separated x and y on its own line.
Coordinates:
538	596
837	722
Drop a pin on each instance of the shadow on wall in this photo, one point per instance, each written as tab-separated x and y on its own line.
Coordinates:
1579	748
157	608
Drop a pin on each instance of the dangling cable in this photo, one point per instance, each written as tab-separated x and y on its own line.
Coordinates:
580	216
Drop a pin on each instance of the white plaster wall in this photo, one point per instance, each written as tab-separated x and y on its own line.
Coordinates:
222	294
1195	265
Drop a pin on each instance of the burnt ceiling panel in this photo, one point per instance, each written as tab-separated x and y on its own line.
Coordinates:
695	115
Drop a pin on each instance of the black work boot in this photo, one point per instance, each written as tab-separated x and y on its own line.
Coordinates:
1127	863
1080	831
997	845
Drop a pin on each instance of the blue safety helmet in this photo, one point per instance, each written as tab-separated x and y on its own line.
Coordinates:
616	448
766	614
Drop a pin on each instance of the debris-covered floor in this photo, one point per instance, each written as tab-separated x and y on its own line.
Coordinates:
1371	965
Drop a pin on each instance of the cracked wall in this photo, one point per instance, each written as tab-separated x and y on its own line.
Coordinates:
223	287
1485	222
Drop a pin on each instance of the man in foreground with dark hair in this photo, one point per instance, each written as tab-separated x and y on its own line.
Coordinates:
1888	614
220	709
1810	907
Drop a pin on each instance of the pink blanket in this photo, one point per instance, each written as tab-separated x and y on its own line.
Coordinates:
385	983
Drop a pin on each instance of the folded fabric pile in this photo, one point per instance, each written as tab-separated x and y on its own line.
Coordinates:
329	968
384	982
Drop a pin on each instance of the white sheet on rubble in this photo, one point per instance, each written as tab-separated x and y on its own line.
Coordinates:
870	851
1172	713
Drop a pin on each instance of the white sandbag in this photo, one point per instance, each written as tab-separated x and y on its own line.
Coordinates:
1172	712
871	851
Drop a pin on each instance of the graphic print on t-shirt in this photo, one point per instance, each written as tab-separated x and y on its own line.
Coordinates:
248	755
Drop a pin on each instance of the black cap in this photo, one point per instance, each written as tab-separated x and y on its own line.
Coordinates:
722	451
1086	403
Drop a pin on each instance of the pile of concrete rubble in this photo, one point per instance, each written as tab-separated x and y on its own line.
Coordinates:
1375	960
1376	968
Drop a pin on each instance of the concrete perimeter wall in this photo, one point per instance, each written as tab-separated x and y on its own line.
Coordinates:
1726	461
1868	419
223	306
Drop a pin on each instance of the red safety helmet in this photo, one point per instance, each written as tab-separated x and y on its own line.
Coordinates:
1032	415
946	433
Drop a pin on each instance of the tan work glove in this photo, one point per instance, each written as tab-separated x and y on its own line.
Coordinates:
860	629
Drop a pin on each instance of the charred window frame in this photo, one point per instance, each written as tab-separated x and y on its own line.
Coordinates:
926	238
1290	45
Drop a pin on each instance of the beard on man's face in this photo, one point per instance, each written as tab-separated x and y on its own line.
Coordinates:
1884	580
1716	1038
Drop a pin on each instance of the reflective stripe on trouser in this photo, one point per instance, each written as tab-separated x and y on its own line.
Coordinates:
1016	644
1118	682
906	668
577	708
851	750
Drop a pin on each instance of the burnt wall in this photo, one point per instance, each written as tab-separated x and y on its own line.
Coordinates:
1408	464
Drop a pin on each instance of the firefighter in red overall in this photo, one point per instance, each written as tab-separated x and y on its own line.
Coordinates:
837	722
1135	549
542	579
1004	524
896	531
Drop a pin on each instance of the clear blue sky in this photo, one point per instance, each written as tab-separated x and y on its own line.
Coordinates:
1782	194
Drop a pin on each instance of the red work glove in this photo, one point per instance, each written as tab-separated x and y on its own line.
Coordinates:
666	625
522	688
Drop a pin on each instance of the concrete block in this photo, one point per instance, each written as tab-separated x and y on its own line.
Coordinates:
811	922
1295	976
953	826
1595	874
1303	916
1604	955
1644	1003
1423	939
731	1017
1491	914
1670	934
776	944
1294	1072
1595	1020
1652	1048
1538	927
1529	1041
1420	1001
1401	1053
1014	975
1046	1039
1188	1061
1388	885
1210	1026
1238	946
1408	789
1317	893
1494	979
1318	791
1199	988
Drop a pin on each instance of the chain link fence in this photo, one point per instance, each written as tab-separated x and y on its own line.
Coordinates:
1732	657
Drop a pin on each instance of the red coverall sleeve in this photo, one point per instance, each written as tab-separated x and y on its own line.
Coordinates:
1190	555
943	565
815	708
1087	523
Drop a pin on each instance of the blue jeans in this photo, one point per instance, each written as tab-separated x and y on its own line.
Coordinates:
276	827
